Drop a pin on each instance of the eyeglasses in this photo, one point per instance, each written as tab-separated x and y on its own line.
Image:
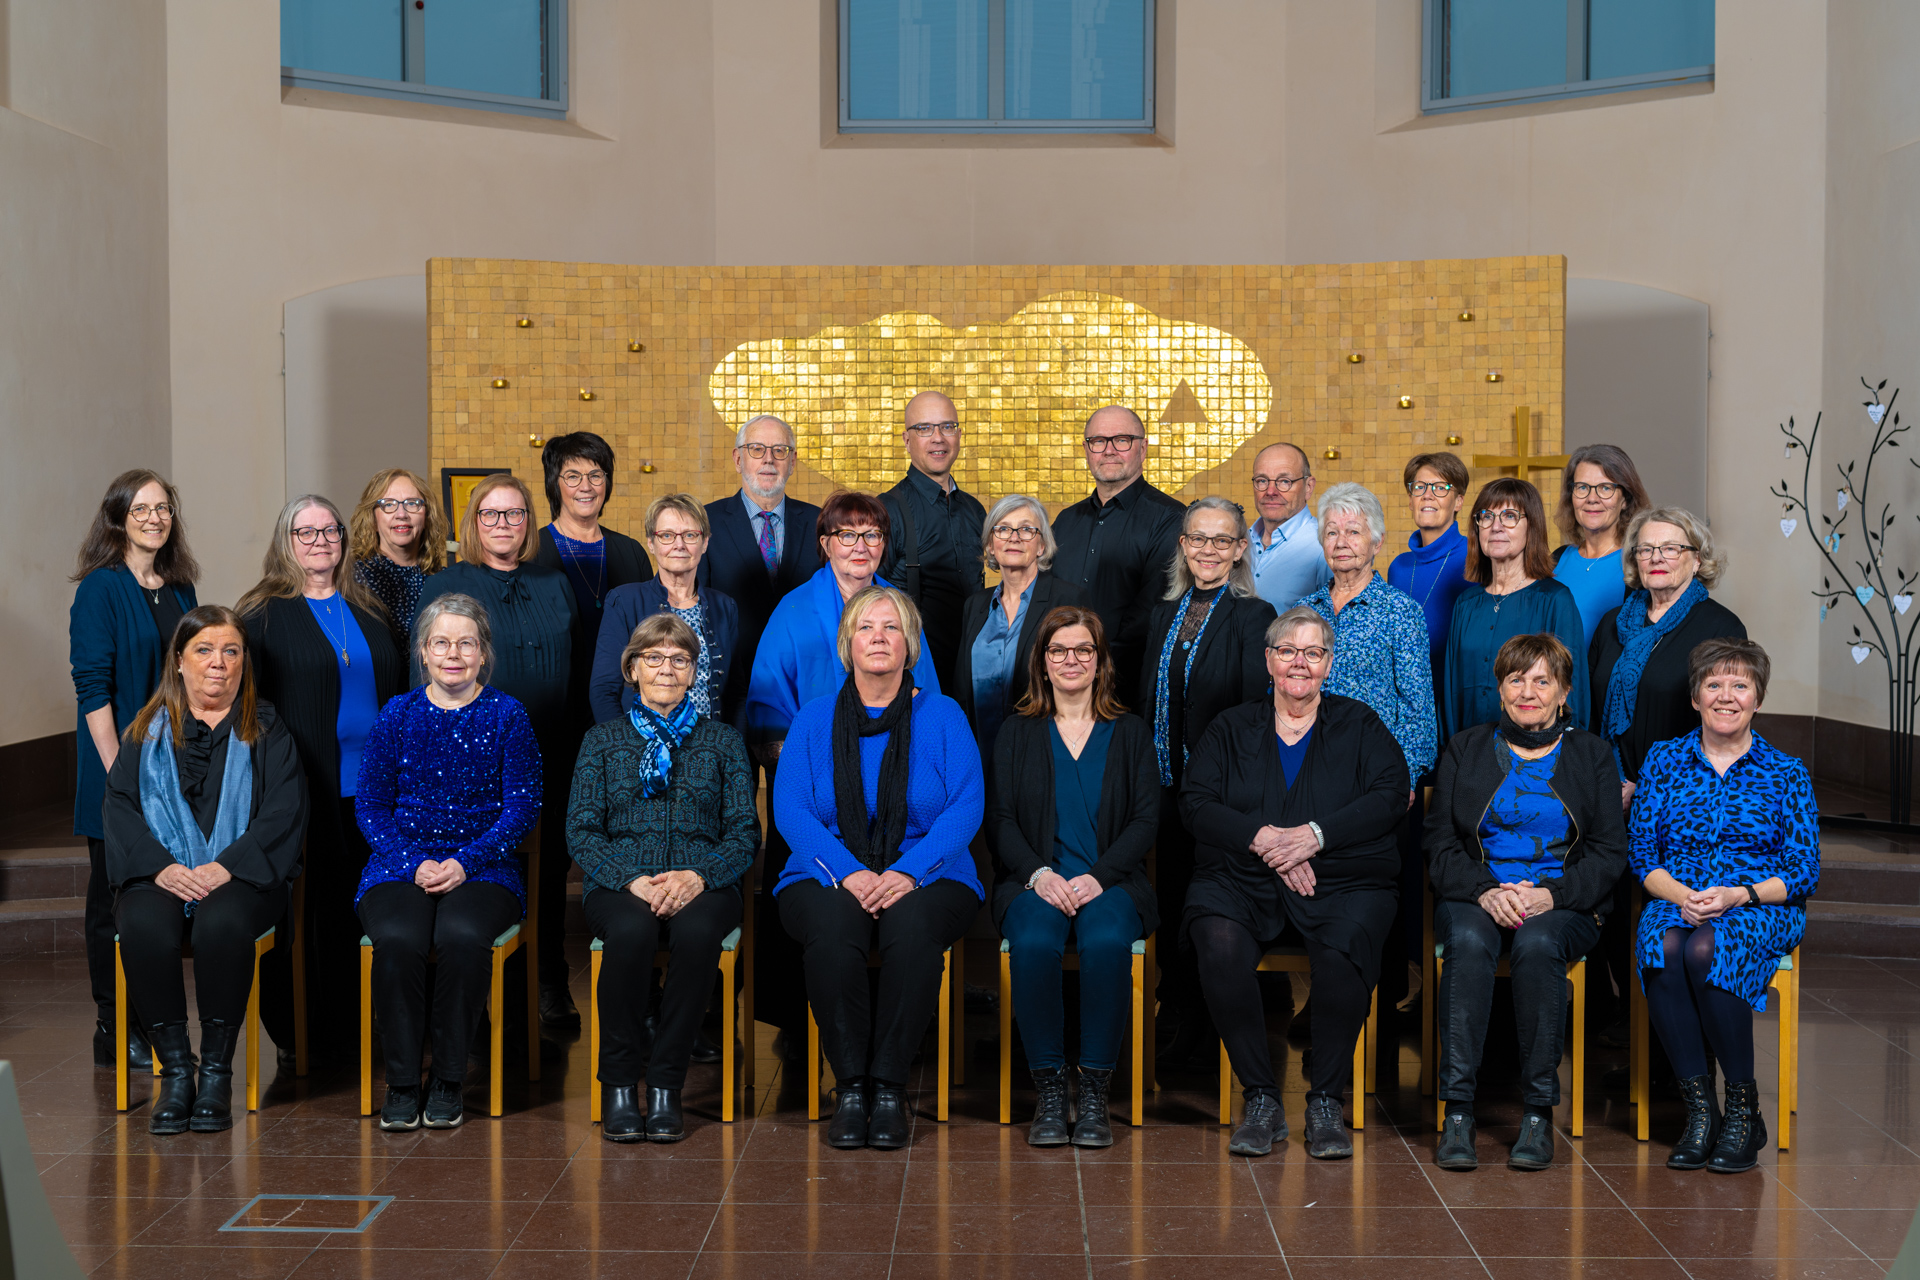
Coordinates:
1506	517
1605	489
1078	652
514	516
140	512
684	537
1282	483
412	506
1314	654
847	537
761	452
1665	551
1112	444
592	479
656	660
311	534
1012	532
925	430
1200	541
440	647
1438	488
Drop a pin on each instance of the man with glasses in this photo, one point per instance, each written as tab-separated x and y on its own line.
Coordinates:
934	552
1288	565
1118	543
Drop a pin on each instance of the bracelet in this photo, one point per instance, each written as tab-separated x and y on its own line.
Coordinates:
1035	877
1318	834
1753	895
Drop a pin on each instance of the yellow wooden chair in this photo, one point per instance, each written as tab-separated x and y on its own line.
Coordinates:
1576	974
1294	960
952	1011
732	1086
261	945
1143	1011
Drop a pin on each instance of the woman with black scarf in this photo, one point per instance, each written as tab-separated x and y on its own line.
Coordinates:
1525	841
879	794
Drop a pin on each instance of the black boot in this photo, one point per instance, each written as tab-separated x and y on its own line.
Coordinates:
139	1052
1533	1148
1455	1150
1049	1127
664	1123
173	1105
1743	1133
620	1113
1702	1129
889	1124
1093	1129
213	1100
848	1128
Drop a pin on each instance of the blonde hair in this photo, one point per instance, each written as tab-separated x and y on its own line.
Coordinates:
661	631
865	601
470	518
1710	562
365	534
281	576
687	505
1239	577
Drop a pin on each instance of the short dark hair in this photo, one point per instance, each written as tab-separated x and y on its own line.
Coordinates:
1732	652
559	450
845	508
1520	653
1509	492
1451	469
1613	460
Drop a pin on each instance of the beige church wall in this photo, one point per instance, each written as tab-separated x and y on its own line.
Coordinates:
83	333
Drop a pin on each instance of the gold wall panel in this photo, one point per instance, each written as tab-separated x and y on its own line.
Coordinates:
1219	361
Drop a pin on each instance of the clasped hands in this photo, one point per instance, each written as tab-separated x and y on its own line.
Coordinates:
1511	904
668	892
1064	895
440	877
876	891
191	884
1702	905
1287	850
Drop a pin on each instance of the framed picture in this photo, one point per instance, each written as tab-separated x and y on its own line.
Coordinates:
456	487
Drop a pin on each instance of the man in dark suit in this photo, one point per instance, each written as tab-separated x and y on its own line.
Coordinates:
933	548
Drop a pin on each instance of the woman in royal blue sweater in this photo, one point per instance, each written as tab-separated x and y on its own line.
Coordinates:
879	794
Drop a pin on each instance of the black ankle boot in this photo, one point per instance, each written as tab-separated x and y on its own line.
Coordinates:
173	1105
848	1128
1743	1133
1093	1129
620	1119
1702	1128
664	1123
213	1099
1049	1127
139	1052
889	1123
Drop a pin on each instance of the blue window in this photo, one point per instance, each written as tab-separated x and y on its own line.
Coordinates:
1482	53
496	55
996	66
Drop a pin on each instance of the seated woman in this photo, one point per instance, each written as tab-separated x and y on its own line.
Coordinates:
202	837
449	787
1525	842
1076	802
879	793
662	825
1293	803
1725	836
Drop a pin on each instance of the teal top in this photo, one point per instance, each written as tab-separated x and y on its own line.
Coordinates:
1076	799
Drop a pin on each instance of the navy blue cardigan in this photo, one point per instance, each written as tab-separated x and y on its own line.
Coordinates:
626	608
116	653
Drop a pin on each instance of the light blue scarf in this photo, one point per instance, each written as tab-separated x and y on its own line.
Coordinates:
168	814
1638	638
662	736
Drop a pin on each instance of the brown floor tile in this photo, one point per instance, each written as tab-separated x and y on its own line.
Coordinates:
1343	1182
803	1228
985	1266
996	1229
1494	1185
790	1140
535	1264
418	1177
1655	1186
1783	1269
1731	1233
1864	1187
647	1177
1557	1233
96	1226
980	1182
1153	1230
196	1221
407	1224
1605	1268
1260	1266
249	1175
484	1138
1227	1183
196	1262
399	1264
1333	1231
790	1266
821	1180
616	1226
1878	1233
141	1176
65	1133
360	1138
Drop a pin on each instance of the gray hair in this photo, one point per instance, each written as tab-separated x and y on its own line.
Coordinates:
454	605
1006	507
1353	499
740	436
1239	578
1709	561
1293	619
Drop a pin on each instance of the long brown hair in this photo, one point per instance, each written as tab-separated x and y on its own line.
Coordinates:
1520	494
1038	699
365	534
106	541
469	534
172	693
281	576
1619	468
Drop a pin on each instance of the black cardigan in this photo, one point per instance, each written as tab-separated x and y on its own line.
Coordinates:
1021	815
1229	669
1663	705
1584	778
1049	593
264	856
626	562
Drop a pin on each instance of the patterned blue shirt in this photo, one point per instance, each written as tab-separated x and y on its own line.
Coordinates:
1380	657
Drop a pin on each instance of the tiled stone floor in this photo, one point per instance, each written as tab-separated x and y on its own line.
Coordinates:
537	1193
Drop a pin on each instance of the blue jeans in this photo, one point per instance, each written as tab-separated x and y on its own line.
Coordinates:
1104	933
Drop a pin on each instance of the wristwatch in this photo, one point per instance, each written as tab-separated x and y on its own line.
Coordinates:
1753	895
1318	835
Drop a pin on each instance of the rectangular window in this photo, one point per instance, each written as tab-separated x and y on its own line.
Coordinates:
996	66
494	55
1483	53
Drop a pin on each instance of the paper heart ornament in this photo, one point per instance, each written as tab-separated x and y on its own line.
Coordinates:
1901	603
1823	613
1859	652
1863	594
1788	526
1840	499
1876	412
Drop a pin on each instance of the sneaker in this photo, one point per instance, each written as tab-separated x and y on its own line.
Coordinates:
1533	1149
1455	1148
1327	1136
445	1105
1263	1125
401	1111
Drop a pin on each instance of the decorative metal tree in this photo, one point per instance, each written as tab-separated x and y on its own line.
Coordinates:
1892	636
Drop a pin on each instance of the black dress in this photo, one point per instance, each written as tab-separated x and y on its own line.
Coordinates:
1049	593
1663	705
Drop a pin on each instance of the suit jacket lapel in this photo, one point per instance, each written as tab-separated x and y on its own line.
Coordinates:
738	529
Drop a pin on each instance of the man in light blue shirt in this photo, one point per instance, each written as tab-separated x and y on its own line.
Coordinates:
1288	564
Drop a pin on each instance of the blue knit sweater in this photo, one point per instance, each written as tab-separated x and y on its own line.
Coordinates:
946	795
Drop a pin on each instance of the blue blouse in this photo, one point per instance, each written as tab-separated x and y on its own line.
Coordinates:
1434	576
1076	799
1597	585
1293	755
585	564
1481	624
359	700
1381	658
1525	822
996	652
1704	828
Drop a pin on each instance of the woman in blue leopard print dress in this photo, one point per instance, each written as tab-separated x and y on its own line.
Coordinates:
1725	836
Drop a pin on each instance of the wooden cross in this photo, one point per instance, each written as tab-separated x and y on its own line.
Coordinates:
1520	459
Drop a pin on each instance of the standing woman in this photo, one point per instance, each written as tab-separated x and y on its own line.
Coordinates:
1076	803
398	537
531	610
326	660
136	579
1433	568
1516	595
1600	494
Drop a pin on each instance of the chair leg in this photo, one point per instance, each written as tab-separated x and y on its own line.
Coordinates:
1784	1013
366	1030
1152	1008
530	948
1431	999
1139	1031
745	1013
119	1030
813	1065
728	1051
1226	1086
959	1003
253	1027
1638	1070
1429	989
1006	1038
593	1037
497	1032
948	988
1362	1064
299	944
1373	1042
1579	976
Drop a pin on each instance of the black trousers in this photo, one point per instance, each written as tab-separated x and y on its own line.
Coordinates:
555	864
863	1037
779	984
1179	987
405	923
630	936
332	873
1229	955
100	928
1538	952
154	926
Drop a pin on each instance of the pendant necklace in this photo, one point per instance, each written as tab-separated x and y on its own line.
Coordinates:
1445	560
346	659
600	577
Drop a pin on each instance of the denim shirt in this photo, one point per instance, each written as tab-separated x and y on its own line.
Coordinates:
996	651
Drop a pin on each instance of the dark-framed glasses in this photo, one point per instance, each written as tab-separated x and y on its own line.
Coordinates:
592	479
761	452
1438	488
1314	654
512	517
847	537
685	537
412	506
926	430
1219	542
1079	653
1605	489
656	659
141	512
1663	551
440	647
1112	444
1284	484
308	535
1505	517
1015	532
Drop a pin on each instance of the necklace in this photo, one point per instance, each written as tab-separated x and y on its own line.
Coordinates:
1439	573
346	659
560	541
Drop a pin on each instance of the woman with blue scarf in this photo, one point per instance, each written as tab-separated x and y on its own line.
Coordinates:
202	837
662	825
